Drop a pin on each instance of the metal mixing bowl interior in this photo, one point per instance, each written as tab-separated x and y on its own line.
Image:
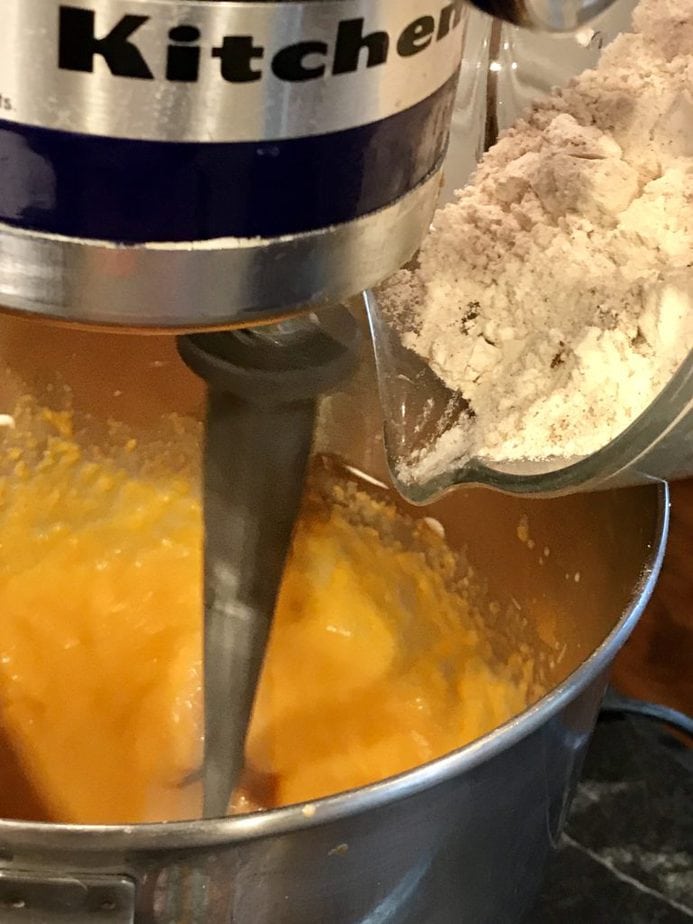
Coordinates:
575	584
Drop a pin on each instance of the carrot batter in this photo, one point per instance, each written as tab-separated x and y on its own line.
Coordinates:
376	664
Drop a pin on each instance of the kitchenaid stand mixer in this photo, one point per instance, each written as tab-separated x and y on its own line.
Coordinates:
196	166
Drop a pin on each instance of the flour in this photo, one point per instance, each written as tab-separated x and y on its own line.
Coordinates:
555	292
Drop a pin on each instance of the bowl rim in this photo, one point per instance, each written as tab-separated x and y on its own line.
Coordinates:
43	837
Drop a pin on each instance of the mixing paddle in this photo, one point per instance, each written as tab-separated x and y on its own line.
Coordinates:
263	387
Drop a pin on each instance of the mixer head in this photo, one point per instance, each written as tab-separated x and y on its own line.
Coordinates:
190	164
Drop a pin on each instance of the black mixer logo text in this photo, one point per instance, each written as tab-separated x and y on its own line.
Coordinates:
241	59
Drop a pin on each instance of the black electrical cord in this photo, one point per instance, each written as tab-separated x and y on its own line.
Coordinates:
616	704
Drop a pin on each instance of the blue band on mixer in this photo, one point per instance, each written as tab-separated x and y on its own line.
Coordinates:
136	191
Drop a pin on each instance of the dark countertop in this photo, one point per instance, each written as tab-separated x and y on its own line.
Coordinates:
627	852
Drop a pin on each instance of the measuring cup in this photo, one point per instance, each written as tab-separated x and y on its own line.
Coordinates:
513	67
418	408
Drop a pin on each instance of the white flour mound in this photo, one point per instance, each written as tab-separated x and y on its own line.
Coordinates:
555	294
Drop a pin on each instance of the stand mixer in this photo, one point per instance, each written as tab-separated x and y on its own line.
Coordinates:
229	169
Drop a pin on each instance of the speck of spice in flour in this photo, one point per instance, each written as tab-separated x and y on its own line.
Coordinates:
555	293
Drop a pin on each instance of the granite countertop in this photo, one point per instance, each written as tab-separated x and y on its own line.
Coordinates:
627	852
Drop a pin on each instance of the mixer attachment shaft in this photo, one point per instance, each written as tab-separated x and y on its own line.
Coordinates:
263	386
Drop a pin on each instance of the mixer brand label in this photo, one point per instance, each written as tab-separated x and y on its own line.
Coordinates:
240	55
219	71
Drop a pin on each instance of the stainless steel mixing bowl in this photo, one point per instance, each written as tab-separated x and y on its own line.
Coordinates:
463	839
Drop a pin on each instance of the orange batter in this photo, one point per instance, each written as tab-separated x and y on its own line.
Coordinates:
376	662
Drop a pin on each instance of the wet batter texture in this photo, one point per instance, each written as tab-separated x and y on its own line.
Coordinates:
378	661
